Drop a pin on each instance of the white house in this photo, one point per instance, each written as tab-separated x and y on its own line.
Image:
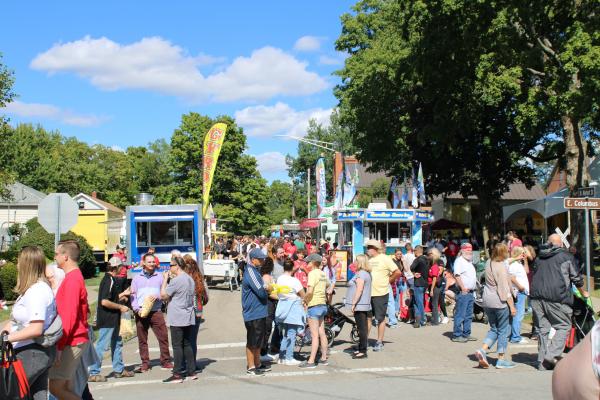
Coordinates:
18	208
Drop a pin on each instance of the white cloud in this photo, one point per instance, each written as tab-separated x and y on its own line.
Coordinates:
157	65
281	118
308	43
48	111
271	162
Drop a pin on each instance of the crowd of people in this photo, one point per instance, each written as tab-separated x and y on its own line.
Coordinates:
287	289
49	326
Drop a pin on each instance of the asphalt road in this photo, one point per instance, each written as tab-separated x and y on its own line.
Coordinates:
415	362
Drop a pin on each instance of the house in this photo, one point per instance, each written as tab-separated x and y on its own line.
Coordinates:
101	223
18	207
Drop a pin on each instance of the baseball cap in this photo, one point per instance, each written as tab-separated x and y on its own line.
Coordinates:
466	246
257	254
120	246
115	262
374	243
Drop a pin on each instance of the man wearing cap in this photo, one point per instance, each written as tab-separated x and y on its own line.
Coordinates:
108	321
255	310
466	280
383	273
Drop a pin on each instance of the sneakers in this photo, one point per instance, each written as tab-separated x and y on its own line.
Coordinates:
191	377
292	362
395	326
445	320
174	379
167	366
269	358
546	365
378	346
522	341
141	369
124	374
482	358
459	339
472	339
96	378
255	372
307	365
504	364
264	368
324	362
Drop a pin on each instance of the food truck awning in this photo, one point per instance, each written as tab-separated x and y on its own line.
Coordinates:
310	223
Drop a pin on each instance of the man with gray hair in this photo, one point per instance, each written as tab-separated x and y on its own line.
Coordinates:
552	299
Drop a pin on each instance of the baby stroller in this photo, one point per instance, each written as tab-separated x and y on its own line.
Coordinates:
582	320
335	320
478	311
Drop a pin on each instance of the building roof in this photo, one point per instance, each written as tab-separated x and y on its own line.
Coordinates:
103	204
516	192
22	195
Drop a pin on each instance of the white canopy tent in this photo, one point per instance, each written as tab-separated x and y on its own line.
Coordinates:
547	207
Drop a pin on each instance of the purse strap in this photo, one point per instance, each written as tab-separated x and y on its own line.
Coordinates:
7	352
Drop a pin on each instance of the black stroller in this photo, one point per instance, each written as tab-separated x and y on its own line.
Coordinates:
335	320
582	321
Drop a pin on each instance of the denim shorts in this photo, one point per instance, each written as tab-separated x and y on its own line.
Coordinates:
317	312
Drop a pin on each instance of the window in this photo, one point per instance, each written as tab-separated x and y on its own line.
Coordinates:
165	233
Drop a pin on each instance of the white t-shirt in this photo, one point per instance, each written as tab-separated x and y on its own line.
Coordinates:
466	270
410	257
294	283
517	270
37	304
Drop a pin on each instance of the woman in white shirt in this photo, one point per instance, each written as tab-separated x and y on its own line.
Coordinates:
520	291
32	313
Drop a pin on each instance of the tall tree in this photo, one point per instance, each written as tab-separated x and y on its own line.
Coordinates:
239	194
6	96
465	88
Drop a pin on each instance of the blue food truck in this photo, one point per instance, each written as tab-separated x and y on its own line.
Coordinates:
166	228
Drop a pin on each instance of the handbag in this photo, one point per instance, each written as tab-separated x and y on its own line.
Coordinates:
52	334
13	380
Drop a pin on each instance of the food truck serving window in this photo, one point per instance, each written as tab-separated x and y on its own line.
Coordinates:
165	233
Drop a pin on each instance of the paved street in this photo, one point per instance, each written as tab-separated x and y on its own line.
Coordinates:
415	362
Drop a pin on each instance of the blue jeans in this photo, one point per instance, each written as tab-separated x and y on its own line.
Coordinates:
463	315
391	309
499	328
515	334
288	341
109	337
420	303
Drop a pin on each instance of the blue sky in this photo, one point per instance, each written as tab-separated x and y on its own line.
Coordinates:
122	73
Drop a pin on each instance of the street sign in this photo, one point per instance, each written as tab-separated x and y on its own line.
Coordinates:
582	204
57	213
583	192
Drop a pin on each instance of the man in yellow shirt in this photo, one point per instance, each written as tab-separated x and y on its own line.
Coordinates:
383	272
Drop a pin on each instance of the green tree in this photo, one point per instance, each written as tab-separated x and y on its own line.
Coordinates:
239	194
471	89
379	189
7	81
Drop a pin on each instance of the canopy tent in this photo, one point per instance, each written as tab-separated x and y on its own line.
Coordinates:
547	206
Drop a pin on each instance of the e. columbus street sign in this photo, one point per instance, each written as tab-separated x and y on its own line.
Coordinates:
583	204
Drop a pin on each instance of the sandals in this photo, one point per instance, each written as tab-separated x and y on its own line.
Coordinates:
359	356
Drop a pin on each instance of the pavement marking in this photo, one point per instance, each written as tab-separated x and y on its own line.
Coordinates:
291	374
204	359
207	346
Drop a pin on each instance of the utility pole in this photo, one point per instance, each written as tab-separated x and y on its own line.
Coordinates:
308	192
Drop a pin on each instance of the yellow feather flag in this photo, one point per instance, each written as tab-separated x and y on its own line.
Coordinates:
212	148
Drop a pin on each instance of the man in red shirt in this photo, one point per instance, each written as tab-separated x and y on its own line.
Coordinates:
72	306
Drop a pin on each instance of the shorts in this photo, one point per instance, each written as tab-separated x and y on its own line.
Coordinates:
317	312
69	361
379	305
256	331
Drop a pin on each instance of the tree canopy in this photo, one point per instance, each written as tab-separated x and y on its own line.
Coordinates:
475	90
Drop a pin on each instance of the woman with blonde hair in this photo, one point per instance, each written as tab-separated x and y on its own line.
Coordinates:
33	312
520	291
498	305
358	299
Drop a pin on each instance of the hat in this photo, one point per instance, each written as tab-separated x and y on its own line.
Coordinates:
466	246
374	243
115	262
314	257
257	254
120	246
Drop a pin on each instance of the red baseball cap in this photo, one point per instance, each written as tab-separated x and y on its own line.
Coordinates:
466	246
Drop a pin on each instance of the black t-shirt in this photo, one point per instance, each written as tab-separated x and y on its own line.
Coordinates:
421	266
109	290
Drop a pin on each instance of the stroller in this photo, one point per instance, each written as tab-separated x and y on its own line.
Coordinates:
335	320
582	320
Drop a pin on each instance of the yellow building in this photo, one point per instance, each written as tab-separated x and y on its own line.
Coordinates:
100	223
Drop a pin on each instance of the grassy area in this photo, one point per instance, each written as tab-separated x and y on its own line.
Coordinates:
94	282
5	314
